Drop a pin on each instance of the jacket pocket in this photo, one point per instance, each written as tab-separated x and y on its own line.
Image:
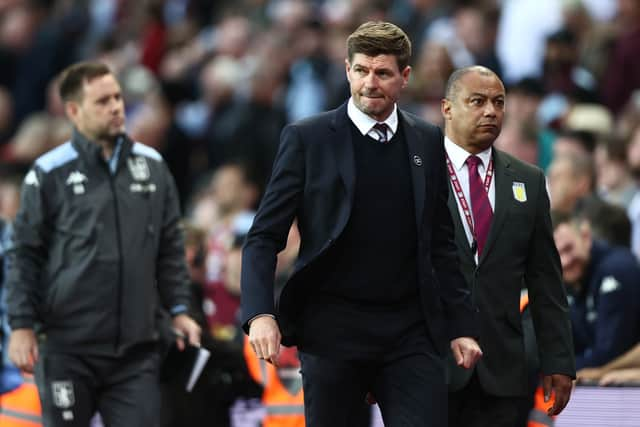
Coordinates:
514	321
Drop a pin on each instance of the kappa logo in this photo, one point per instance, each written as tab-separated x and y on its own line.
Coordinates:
63	396
77	179
139	168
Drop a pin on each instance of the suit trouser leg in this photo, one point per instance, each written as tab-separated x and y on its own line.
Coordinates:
409	387
412	391
66	385
334	392
473	407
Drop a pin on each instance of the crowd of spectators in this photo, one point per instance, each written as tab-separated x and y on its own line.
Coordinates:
210	84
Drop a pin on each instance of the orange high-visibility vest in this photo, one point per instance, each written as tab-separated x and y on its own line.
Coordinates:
538	416
283	409
21	407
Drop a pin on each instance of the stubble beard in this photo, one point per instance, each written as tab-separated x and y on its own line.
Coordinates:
369	110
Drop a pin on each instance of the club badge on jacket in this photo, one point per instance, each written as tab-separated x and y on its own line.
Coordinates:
519	191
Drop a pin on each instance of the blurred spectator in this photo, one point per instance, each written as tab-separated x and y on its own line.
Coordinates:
224	378
10	377
590	37
10	181
6	115
306	93
629	118
594	119
601	10
19	401
519	44
623	70
519	140
603	292
574	143
623	370
615	183
525	98
180	407
202	208
415	17
608	222
44	42
469	35
428	83
149	123
235	197
633	151
36	135
633	158
561	70
570	178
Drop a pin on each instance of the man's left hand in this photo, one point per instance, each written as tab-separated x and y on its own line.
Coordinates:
187	330
561	385
466	351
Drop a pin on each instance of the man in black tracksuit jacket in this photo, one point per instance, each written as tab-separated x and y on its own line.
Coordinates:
98	249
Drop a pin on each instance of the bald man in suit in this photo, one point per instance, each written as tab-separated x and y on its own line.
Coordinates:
504	236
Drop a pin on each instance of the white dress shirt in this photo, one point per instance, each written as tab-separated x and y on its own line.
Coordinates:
458	157
365	123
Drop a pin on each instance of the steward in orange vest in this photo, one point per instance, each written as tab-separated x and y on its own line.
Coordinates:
284	404
20	407
538	416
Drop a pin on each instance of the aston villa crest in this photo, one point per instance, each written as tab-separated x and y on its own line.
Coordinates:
519	192
138	168
63	396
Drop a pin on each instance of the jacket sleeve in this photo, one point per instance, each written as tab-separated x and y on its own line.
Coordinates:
268	234
171	267
454	291
29	251
547	295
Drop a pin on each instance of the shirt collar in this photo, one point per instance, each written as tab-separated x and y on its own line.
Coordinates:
459	155
364	123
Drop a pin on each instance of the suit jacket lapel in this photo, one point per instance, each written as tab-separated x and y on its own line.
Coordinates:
340	141
416	150
503	180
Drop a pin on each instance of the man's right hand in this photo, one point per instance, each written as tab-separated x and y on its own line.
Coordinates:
264	336
23	349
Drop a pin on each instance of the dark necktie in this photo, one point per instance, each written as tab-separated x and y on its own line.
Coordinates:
381	130
480	205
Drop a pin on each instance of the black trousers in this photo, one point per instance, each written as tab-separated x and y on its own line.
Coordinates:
473	407
409	387
124	389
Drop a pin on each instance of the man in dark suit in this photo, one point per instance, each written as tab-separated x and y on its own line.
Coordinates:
376	293
505	242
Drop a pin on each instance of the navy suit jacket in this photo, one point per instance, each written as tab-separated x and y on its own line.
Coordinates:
313	180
